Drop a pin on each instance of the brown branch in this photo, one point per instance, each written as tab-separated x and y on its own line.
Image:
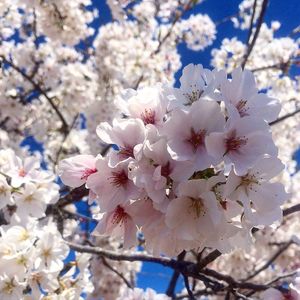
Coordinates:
164	261
185	8
283	118
208	259
270	261
256	33
187	286
106	264
251	22
40	90
291	210
175	276
65	138
233	283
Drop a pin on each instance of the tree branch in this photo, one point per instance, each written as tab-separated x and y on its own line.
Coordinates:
251	22
40	90
106	264
175	276
256	33
291	210
285	117
270	261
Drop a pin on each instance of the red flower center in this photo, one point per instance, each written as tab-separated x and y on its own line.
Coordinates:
166	170
22	172
119	215
87	172
148	116
234	143
119	178
126	151
196	138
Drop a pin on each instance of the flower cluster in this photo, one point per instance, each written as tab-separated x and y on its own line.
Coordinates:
192	167
25	189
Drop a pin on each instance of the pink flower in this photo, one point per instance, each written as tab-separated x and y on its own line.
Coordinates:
194	214
261	199
242	144
75	171
195	83
148	104
127	134
118	223
242	99
186	132
112	185
156	170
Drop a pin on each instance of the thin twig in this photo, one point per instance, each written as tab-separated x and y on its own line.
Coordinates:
176	19
40	90
106	264
256	33
187	286
65	138
285	117
251	22
270	261
291	210
208	259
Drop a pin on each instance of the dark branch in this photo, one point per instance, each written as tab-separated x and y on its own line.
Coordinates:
270	261
285	117
172	284
256	33
40	90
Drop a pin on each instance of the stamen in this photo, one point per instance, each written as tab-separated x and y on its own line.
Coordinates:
119	178
193	96
242	108
234	143
126	151
148	116
197	207
119	215
87	172
197	138
166	170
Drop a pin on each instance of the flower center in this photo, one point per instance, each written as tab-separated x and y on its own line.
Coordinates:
119	215
166	170
87	172
8	287
22	172
119	178
193	96
126	151
234	143
148	116
196	138
197	207
249	179
242	108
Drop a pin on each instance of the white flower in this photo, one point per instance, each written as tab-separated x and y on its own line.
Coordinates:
111	184
5	192
261	199
127	135
74	171
186	132
242	144
241	97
